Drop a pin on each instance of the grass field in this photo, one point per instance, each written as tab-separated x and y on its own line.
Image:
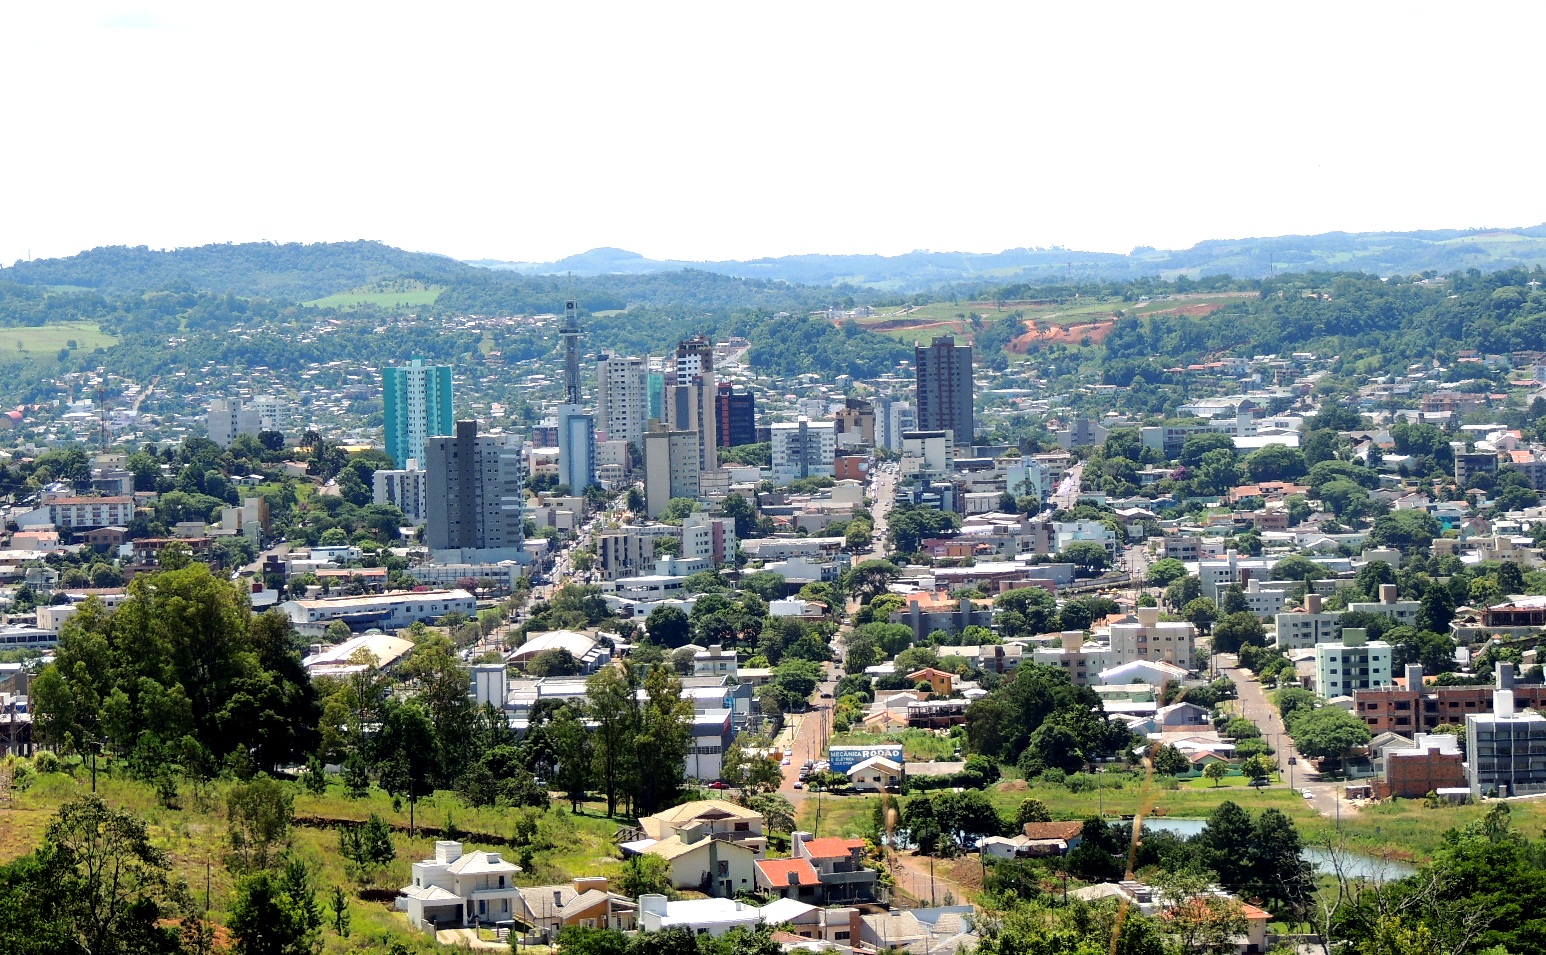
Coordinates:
405	294
1404	829
26	343
564	846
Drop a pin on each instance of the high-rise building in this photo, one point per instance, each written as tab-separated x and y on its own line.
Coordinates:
670	468
576	448
690	395
622	398
405	488
229	417
892	417
476	496
417	401
655	382
570	333
944	376
803	449
855	424
735	413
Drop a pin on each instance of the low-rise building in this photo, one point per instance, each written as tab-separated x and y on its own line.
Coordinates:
839	864
1403	612
1505	749
1083	662
388	611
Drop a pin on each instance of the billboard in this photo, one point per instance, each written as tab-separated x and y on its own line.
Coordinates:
844	758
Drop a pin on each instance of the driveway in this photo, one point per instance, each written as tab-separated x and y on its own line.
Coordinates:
1328	795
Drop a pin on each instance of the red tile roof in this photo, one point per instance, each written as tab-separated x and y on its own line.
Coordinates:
777	872
1053	830
832	848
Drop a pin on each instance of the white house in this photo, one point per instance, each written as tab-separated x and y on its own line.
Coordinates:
456	889
699	916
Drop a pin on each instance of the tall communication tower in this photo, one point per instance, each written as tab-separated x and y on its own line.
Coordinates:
571	336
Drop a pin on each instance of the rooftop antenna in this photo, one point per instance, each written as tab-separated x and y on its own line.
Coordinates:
570	333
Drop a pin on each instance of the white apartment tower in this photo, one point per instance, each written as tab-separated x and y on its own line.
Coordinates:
622	398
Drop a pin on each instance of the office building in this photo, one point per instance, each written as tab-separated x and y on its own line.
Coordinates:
476	497
407	489
944	376
576	448
735	414
670	468
622	398
690	397
1355	663
1308	626
417	405
803	449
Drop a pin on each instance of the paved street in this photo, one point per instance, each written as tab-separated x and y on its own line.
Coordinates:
1253	705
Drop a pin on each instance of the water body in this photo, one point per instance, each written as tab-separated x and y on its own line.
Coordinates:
1359	865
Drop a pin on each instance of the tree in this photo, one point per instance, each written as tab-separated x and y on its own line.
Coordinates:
765	584
1290	700
554	661
1259	766
258	816
338	901
1032	809
406	753
668	626
613	708
1169	761
367	848
95	886
1165	571
1036	612
572	745
1236	630
646	874
267	920
1199	919
750	772
665	733
1409	531
1275	462
1216	771
869	579
796	681
1201	443
1088	557
1327	733
1437	610
1200	613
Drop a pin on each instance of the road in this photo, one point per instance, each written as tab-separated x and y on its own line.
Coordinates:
1329	796
883	493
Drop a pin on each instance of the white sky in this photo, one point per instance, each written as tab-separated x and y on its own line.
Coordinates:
530	131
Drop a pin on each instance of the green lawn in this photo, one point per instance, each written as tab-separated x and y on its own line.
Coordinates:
404	294
29	342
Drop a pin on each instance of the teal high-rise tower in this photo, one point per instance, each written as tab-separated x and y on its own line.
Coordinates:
418	405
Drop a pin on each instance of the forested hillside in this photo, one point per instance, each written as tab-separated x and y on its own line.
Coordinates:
1382	253
294	270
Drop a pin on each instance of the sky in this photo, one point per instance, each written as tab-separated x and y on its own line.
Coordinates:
531	131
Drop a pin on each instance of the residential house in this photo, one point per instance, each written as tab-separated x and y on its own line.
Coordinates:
839	864
717	817
584	903
704	863
789	879
876	774
456	889
699	916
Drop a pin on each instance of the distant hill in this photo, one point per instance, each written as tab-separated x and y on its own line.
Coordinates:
294	270
1380	253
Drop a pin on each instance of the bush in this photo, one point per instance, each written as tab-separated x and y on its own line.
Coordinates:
46	762
1053	777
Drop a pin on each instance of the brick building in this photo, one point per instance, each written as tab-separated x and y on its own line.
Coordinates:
1414	708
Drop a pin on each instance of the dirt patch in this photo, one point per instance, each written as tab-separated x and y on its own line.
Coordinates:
1040	334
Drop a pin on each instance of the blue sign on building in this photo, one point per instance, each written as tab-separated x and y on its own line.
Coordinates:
844	758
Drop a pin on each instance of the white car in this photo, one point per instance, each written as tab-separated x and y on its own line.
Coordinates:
1306	793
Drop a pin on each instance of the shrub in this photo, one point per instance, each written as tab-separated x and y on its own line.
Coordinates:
46	762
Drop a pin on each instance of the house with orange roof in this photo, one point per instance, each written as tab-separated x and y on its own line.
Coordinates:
790	879
839	865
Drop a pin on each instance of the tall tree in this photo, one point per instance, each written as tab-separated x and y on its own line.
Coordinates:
665	733
614	709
